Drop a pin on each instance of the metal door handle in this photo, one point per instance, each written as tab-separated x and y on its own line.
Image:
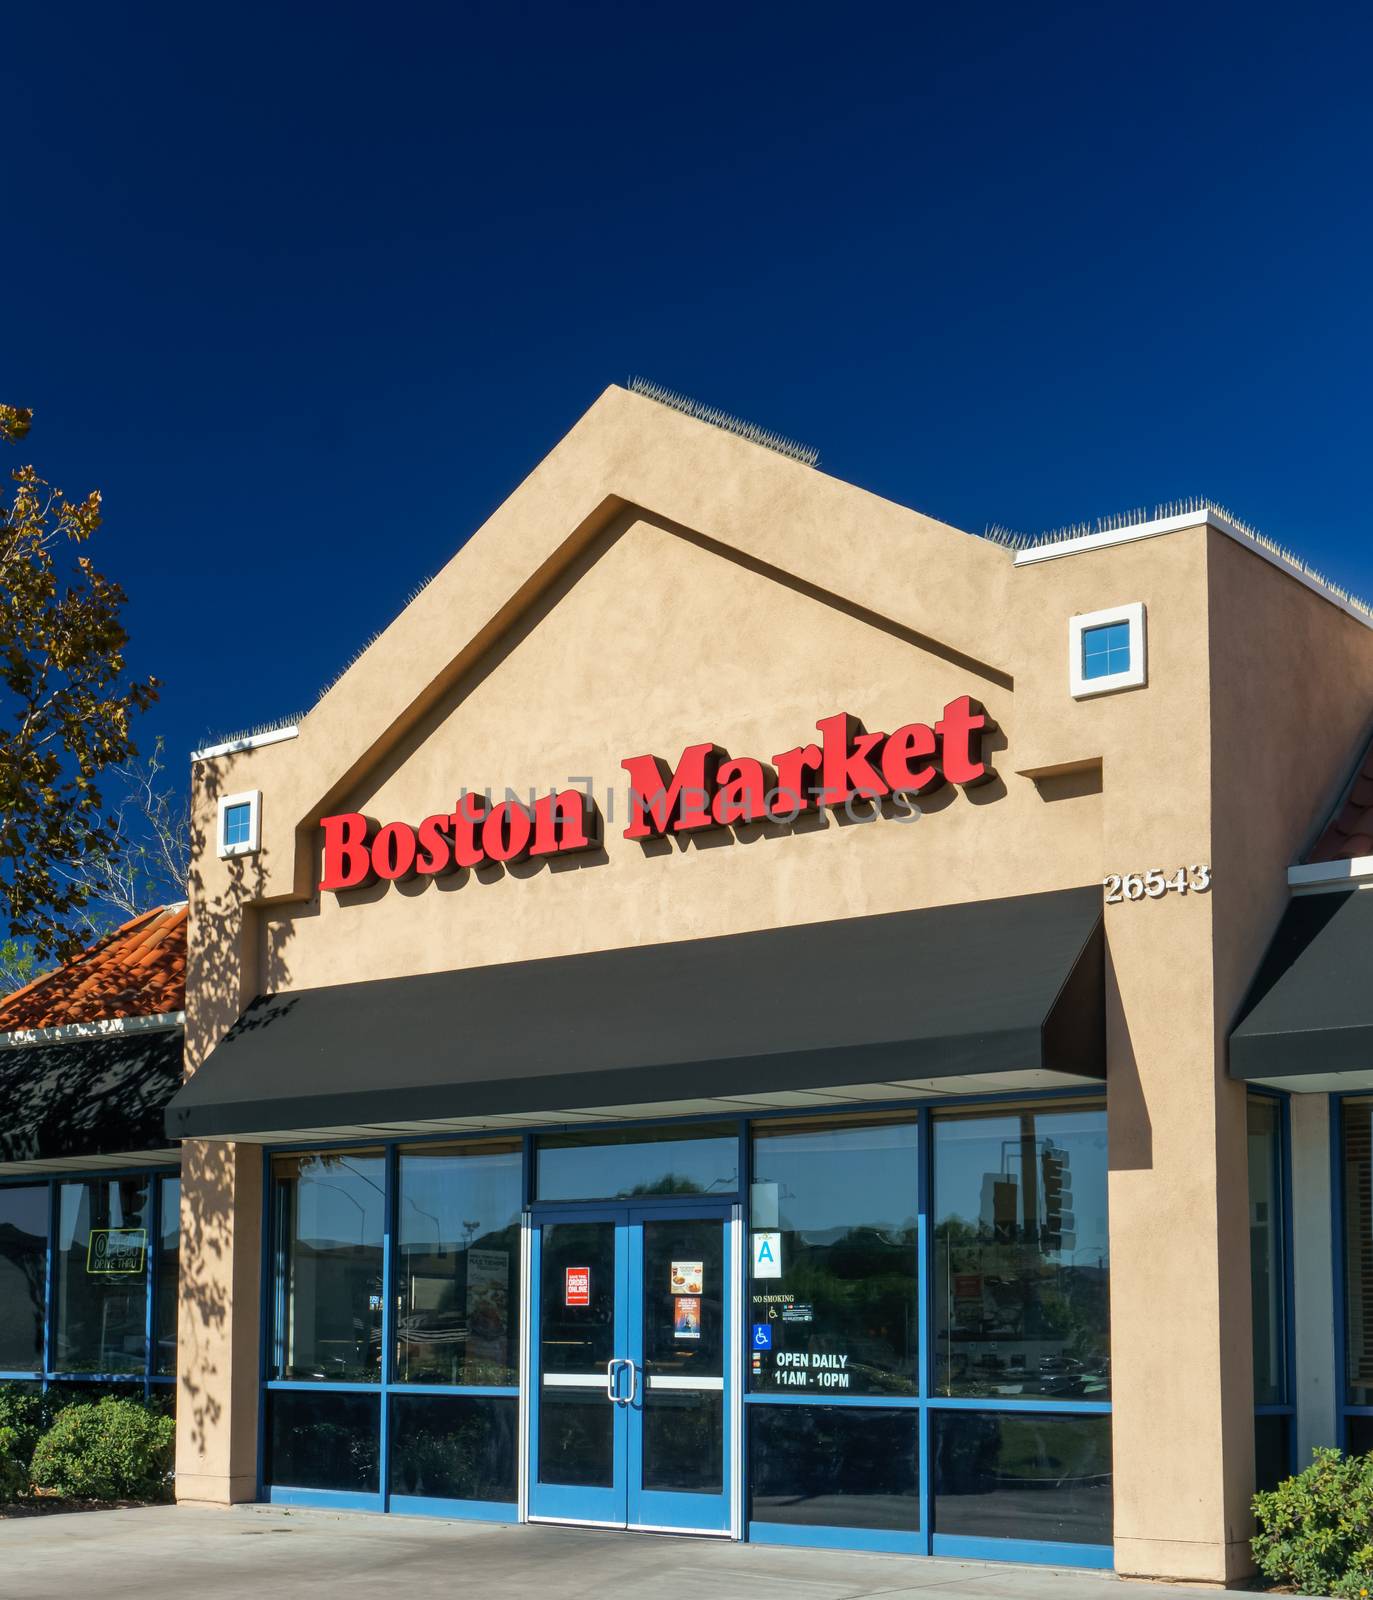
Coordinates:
610	1367
633	1381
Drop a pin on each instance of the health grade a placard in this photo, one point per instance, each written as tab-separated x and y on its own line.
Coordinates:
767	1255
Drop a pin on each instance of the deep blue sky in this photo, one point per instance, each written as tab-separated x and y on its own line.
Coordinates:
306	289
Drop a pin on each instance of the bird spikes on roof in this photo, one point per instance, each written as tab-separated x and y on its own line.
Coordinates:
1176	508
722	419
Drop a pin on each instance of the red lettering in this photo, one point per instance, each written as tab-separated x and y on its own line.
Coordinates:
393	851
436	855
960	731
905	747
743	792
660	803
793	793
567	820
347	860
847	770
506	832
466	821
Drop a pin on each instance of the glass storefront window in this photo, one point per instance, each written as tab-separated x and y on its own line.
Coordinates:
834	1467
168	1257
1032	1475
1266	1267
458	1263
611	1164
1021	1258
836	1205
318	1440
330	1213
23	1277
102	1278
1357	1118
453	1447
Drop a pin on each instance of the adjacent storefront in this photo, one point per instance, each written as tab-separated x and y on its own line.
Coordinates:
719	1023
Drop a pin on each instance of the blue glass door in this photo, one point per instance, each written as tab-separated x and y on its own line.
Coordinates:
630	1416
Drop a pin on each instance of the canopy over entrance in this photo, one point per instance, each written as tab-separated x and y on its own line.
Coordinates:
1004	994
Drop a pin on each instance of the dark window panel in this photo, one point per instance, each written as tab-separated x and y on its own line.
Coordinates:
684	1341
458	1265
453	1447
576	1437
1021	1255
1035	1476
626	1164
102	1313
23	1277
1267	1275
169	1243
834	1467
1357	1122
843	1315
1272	1450
318	1440
330	1209
1358	1436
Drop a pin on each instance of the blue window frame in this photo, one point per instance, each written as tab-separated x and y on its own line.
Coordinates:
1106	650
88	1280
238	823
941	1446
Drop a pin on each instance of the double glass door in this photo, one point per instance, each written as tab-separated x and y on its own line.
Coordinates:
630	1420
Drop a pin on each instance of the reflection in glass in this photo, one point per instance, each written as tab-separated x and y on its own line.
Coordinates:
843	1199
330	1208
169	1238
684	1342
1266	1271
458	1247
1358	1436
834	1466
453	1447
102	1280
617	1164
318	1440
1357	1117
1021	1259
1032	1475
23	1277
576	1340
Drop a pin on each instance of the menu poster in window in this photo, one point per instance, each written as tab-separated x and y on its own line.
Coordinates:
686	1316
687	1277
488	1303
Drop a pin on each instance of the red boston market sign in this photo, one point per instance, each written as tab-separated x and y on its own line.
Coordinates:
707	789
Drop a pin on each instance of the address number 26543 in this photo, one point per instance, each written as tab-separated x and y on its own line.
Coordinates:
1154	883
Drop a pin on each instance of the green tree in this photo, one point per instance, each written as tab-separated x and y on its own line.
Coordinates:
67	705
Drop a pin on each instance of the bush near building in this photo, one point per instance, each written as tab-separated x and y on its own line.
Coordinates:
60	1442
1316	1529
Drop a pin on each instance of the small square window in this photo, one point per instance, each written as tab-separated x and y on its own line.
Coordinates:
1106	650
240	823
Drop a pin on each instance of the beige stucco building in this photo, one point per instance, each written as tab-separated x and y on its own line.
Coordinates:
843	1147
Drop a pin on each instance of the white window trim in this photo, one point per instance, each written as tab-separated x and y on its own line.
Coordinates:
253	843
1135	676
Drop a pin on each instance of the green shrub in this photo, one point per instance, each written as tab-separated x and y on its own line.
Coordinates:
114	1450
1316	1530
14	1470
29	1413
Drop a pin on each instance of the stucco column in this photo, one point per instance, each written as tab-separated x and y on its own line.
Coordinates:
1182	1361
218	1325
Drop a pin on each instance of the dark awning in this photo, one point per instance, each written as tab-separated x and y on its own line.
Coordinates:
959	992
1309	1012
88	1098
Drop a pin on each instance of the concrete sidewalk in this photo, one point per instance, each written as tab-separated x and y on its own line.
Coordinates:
267	1553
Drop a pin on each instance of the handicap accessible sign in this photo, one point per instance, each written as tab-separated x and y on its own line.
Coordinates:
762	1336
767	1255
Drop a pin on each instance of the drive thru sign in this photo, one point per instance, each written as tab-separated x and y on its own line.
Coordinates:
577	1290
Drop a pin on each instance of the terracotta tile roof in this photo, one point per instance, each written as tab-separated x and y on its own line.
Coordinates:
1349	832
139	970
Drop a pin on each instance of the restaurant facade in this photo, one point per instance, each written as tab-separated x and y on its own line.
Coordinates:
720	1021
